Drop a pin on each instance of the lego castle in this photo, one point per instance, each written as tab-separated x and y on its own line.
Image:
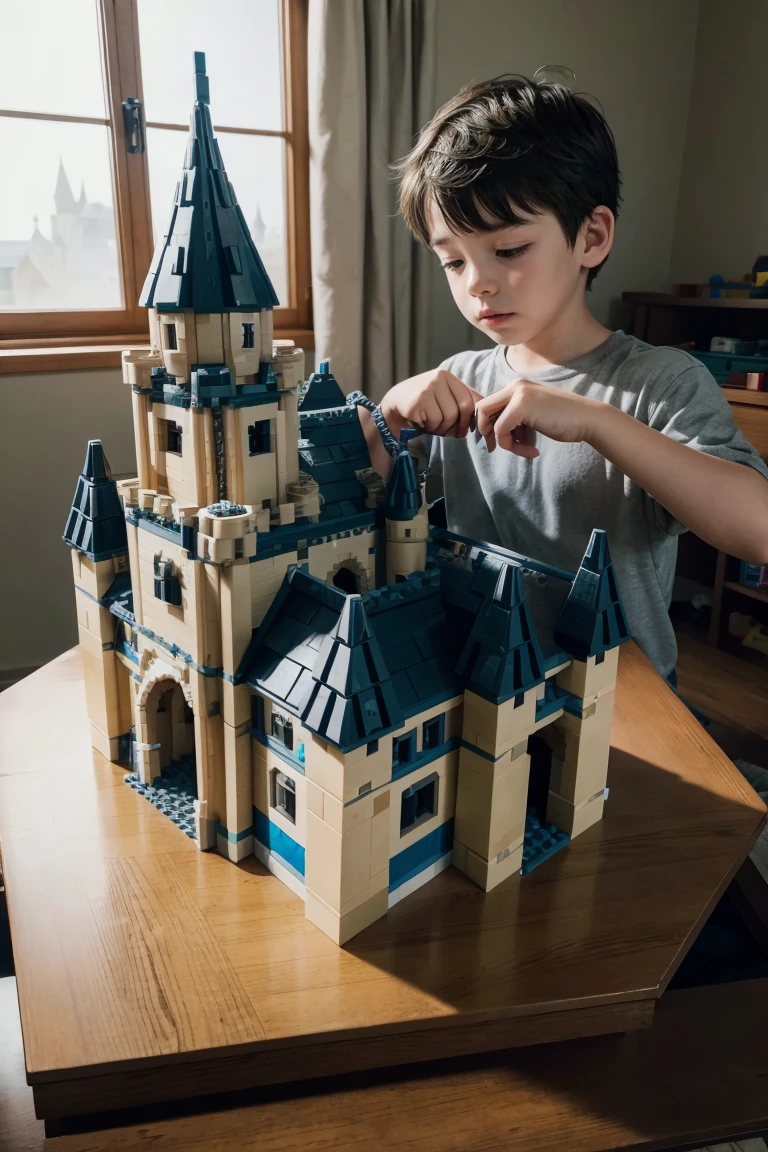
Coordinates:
296	662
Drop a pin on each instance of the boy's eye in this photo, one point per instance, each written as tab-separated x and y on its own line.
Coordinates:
511	253
452	264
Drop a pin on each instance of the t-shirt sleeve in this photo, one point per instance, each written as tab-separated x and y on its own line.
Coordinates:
692	410
426	451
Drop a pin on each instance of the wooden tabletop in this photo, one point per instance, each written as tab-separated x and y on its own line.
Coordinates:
149	971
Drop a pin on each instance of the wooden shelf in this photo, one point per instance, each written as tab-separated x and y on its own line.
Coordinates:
668	300
753	593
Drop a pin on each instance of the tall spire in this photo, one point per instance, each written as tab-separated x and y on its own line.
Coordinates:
207	260
96	525
592	620
63	198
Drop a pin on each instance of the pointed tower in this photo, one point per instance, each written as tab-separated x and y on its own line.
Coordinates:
405	510
95	531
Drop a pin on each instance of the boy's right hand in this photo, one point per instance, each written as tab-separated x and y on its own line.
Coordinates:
436	401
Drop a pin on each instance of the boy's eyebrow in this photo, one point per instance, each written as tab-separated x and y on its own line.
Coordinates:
443	241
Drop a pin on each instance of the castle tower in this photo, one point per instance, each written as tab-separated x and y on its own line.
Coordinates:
405	510
96	533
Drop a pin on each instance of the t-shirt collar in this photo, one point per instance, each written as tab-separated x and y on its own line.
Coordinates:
588	362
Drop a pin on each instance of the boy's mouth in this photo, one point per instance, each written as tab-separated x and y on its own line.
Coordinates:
494	319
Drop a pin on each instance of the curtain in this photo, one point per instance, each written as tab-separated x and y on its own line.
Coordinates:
371	68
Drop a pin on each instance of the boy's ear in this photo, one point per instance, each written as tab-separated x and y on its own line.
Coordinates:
596	239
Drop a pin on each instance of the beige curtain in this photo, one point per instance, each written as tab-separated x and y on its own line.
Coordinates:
371	87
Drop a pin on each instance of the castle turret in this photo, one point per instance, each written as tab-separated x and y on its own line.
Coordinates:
405	510
96	533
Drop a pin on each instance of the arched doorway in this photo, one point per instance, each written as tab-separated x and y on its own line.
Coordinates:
346	581
171	727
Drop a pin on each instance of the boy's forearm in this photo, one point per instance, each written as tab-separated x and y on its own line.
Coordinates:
724	503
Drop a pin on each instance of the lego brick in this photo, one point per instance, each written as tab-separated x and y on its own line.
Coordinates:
540	843
575	819
586	678
497	728
342	928
380	803
323	861
577	782
210	338
355	864
315	796
485	874
490	814
379	858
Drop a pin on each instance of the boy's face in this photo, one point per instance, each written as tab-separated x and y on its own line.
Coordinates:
516	282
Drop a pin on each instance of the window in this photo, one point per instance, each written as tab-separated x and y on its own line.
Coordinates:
404	749
167	584
76	231
433	733
600	658
282	730
284	795
418	804
257	713
258	438
519	699
371	747
169	331
172	436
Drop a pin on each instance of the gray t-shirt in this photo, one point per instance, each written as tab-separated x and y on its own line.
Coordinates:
546	508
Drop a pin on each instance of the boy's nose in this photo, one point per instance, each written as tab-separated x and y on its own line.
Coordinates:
480	282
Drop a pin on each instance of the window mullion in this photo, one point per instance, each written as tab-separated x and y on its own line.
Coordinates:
120	48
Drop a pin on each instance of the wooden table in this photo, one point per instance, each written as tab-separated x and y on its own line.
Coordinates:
150	972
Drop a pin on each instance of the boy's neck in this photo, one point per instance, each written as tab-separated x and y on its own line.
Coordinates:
568	338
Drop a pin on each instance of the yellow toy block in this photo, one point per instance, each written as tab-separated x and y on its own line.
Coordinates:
487	874
575	818
586	678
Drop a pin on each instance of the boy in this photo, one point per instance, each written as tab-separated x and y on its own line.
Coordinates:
515	186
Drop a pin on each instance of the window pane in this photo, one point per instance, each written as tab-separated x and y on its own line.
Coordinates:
58	246
242	45
255	167
50	57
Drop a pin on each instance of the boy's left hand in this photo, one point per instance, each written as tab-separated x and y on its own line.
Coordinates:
507	417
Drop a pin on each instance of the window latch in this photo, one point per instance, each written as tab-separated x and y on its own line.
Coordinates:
133	125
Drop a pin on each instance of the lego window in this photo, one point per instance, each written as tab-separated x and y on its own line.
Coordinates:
433	734
172	437
600	658
519	699
258	438
171	342
418	804
248	339
372	746
167	583
404	749
284	795
346	581
282	729
257	713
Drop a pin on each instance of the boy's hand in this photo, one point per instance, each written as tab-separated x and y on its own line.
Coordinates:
507	417
436	401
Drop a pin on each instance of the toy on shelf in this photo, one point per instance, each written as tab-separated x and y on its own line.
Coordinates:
295	662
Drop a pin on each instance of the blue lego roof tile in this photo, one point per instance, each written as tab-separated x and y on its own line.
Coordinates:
96	524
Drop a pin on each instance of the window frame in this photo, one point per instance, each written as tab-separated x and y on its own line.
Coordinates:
119	41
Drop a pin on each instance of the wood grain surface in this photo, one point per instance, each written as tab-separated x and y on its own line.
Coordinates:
699	1075
148	971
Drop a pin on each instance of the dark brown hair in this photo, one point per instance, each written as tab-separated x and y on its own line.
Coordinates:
511	143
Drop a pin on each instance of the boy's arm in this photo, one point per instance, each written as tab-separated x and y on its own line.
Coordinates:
723	502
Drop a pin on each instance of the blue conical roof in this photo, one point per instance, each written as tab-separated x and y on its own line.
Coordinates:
207	261
402	495
593	620
323	391
96	525
502	656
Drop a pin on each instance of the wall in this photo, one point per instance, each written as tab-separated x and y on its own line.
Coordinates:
637	59
46	423
722	213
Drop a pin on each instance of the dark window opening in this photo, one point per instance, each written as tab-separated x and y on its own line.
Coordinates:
167	584
399	579
418	804
373	746
407	532
404	749
248	336
519	699
173	437
171	342
257	713
258	438
347	581
434	733
600	658
282	730
284	795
